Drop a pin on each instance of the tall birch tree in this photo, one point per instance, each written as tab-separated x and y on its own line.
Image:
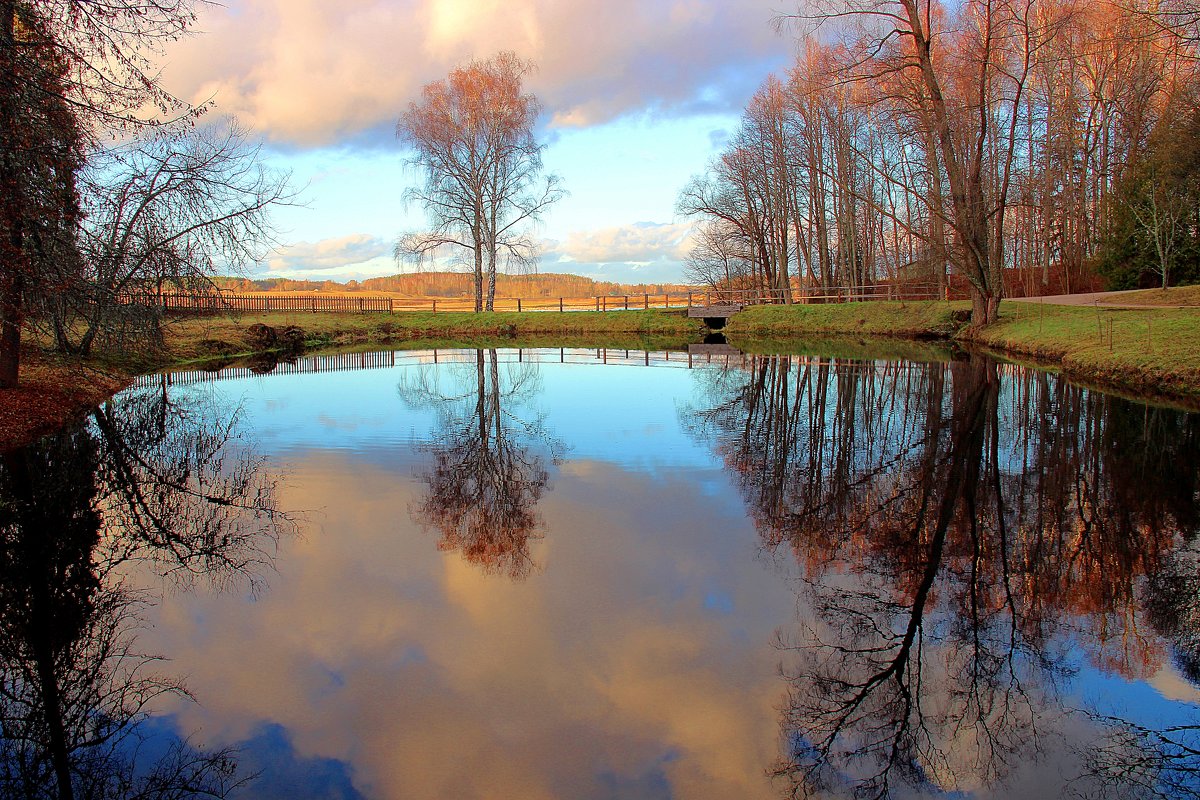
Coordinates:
472	139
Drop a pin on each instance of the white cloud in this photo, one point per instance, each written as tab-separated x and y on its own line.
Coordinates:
639	243
327	254
307	72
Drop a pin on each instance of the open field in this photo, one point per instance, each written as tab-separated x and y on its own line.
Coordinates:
453	285
317	301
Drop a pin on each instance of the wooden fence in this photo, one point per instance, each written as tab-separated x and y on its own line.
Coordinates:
314	303
264	302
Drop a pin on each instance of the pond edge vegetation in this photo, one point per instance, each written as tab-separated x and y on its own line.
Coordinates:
1151	353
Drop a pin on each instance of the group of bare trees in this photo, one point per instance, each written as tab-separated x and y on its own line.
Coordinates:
87	225
913	141
472	138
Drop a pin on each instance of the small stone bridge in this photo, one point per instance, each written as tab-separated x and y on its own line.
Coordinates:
714	316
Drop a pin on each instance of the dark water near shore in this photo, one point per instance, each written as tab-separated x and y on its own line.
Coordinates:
606	574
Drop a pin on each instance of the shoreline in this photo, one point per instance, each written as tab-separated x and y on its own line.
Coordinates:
1147	354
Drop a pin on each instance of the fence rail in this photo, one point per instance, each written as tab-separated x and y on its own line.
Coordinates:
263	302
314	303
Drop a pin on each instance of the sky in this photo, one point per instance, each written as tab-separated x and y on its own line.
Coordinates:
637	96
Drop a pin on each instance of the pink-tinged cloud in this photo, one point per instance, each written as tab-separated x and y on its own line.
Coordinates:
343	251
307	72
452	683
640	243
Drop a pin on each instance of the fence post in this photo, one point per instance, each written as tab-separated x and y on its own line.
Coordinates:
435	305
647	302
626	302
689	305
390	309
560	308
518	305
597	303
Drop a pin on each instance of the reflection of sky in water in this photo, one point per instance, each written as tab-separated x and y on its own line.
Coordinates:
638	658
606	412
637	662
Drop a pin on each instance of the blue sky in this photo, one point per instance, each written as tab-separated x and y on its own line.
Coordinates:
638	95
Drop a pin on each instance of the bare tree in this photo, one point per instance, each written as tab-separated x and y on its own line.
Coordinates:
720	258
68	68
472	137
163	213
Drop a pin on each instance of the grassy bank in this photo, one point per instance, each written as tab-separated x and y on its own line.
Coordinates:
1148	351
1154	352
1175	296
54	390
198	338
910	320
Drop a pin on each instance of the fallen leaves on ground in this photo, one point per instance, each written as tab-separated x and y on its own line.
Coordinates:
51	394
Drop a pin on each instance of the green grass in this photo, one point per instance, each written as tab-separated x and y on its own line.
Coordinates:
1153	351
913	320
199	337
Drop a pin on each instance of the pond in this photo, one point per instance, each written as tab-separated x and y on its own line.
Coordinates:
605	574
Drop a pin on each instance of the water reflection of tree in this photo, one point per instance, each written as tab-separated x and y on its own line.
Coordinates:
489	459
147	479
963	528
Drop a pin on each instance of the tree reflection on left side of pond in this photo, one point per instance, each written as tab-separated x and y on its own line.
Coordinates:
161	481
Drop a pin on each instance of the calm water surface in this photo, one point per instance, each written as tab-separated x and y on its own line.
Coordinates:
542	574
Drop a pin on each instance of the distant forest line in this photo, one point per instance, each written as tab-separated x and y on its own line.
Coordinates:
456	284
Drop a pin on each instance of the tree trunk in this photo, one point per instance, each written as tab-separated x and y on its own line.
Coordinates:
491	280
478	277
12	294
11	307
971	224
985	307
